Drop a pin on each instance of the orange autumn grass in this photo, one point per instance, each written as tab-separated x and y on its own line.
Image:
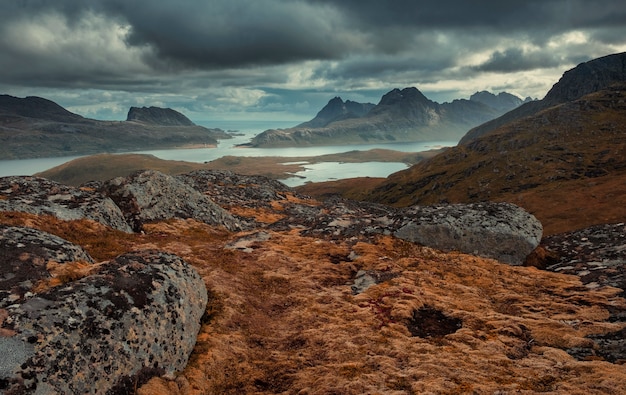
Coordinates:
282	318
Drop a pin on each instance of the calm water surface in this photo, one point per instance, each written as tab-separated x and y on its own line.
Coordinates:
313	172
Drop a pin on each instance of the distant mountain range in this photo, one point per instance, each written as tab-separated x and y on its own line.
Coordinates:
401	116
34	127
550	156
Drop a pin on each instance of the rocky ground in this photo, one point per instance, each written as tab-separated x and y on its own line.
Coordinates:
311	297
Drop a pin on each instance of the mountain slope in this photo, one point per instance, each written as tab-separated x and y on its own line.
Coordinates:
401	116
575	150
585	78
35	127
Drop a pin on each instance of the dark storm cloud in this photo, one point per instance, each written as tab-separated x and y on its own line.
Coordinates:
242	49
493	14
235	33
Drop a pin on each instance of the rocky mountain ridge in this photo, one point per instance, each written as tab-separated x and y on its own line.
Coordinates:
401	116
34	127
584	79
296	289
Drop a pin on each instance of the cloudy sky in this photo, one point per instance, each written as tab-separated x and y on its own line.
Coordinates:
284	59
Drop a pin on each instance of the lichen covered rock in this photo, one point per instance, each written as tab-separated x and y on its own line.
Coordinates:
502	231
134	317
24	257
37	195
149	196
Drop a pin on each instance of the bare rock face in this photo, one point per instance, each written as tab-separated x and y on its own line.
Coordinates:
501	231
150	195
41	196
130	319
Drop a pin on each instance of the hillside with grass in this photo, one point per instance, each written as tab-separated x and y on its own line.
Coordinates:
566	165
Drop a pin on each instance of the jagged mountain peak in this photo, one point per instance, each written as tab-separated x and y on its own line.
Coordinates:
410	94
336	110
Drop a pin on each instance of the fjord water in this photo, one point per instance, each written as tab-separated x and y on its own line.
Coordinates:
247	129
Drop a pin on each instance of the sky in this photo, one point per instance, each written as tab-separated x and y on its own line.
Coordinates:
283	60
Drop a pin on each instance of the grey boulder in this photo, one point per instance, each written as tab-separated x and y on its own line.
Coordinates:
37	195
501	231
127	320
149	195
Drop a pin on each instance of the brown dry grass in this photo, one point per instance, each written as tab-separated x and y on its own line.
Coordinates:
106	166
283	319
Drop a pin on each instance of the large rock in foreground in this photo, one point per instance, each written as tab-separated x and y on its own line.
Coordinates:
502	231
41	196
149	195
132	318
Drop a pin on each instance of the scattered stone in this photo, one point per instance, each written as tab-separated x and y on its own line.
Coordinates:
134	317
149	195
501	231
41	196
247	243
596	254
366	278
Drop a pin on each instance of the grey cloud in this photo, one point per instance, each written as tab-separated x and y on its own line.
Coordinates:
515	59
190	47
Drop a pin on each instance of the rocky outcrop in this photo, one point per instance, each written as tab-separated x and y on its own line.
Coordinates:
127	320
158	116
149	195
41	196
500	231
